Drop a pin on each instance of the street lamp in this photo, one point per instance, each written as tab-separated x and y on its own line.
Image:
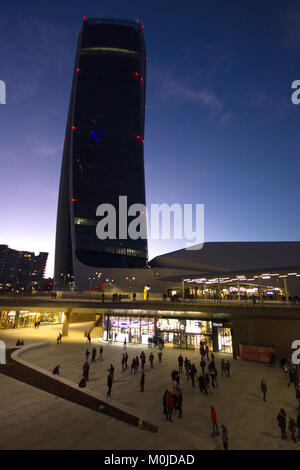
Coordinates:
91	280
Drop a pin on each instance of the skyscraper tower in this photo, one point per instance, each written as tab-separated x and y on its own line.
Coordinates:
103	156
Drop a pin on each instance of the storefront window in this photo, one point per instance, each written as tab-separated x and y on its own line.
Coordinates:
225	340
25	318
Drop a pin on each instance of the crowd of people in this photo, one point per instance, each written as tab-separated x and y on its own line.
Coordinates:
292	373
203	371
207	380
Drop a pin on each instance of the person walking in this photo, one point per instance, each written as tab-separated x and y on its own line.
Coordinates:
86	369
213	416
56	370
211	366
123	362
180	363
137	363
193	372
175	400
132	367
291	376
263	387
101	353
151	358
293	428
142	382
125	341
207	383
87	353
94	354
213	375
111	370
126	360
109	384
227	366
224	436
298	396
202	385
175	377
169	403
281	418
58	339
88	336
298	424
188	370
159	356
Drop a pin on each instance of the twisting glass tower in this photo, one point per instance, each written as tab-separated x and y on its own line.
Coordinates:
103	154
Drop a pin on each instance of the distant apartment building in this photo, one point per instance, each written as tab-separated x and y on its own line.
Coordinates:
21	271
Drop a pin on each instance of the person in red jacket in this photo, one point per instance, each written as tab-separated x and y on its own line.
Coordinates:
169	403
213	415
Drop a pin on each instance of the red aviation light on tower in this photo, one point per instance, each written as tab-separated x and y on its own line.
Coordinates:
74	199
78	69
84	18
137	20
74	128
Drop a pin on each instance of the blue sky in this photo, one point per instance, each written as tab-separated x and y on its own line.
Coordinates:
221	129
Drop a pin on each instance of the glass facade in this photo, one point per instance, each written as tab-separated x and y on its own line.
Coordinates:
104	146
175	332
25	318
134	329
225	340
184	333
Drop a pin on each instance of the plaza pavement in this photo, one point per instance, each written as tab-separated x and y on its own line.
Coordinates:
33	419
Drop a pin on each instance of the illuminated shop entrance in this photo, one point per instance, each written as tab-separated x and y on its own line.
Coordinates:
180	333
222	337
185	334
25	318
134	329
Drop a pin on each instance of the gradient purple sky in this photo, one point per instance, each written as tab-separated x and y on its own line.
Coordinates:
220	125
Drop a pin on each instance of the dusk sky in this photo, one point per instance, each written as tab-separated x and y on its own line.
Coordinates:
221	129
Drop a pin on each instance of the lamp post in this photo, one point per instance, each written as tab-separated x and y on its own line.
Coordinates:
91	280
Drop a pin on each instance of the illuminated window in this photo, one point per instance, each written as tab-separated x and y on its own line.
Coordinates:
93	50
82	221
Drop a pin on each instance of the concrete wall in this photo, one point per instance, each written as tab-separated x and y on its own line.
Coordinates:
267	332
82	317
